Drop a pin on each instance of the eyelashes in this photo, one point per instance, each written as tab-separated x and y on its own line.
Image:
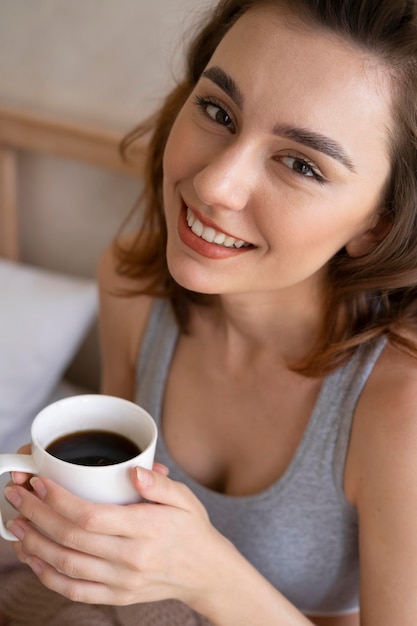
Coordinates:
216	111
219	114
301	166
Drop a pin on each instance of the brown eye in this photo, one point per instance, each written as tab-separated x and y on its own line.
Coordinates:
301	167
298	166
218	114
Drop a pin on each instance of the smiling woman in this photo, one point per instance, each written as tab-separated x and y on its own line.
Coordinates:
235	161
265	315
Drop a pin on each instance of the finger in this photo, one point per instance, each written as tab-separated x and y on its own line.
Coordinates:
77	590
35	549
69	520
90	592
20	478
40	522
106	519
158	488
161	469
81	578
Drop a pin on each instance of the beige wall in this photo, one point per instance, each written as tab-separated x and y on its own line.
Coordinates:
106	61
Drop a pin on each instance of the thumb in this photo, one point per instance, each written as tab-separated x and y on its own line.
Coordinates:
161	469
158	488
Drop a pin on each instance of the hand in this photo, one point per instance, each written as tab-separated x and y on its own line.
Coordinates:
110	554
20	478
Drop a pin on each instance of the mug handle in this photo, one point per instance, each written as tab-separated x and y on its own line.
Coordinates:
14	463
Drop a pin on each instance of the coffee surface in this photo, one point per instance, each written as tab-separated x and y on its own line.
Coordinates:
93	448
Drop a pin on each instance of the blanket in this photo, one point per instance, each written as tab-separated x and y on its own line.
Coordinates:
24	601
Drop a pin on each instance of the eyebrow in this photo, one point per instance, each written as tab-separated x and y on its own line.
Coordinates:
304	136
316	141
225	82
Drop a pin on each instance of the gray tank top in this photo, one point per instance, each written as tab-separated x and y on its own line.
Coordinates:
300	533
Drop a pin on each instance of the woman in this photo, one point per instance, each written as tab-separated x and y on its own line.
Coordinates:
265	316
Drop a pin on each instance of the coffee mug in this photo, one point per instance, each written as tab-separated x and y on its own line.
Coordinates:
88	444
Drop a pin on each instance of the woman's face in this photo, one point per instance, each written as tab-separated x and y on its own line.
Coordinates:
277	160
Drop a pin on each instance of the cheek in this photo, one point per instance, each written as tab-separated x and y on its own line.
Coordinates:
177	164
186	149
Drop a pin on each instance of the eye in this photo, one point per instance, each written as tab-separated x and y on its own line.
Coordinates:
215	111
302	167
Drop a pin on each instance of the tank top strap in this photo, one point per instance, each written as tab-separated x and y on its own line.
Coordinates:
344	397
160	338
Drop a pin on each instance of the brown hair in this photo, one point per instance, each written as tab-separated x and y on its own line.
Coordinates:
370	296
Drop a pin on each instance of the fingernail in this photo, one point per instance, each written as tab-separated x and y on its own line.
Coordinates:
16	530
38	486
144	476
12	495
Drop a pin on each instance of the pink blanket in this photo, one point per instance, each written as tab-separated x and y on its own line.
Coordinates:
24	601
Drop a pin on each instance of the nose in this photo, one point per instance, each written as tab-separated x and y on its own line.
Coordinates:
228	179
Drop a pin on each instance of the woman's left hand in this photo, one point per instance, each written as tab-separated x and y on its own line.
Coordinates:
111	554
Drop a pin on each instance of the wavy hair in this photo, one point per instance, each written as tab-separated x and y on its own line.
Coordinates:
368	297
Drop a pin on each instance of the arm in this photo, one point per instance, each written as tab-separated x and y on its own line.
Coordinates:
121	324
384	490
143	553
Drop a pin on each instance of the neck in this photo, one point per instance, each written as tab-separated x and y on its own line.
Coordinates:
284	326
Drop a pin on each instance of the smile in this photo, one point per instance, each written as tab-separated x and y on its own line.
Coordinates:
211	235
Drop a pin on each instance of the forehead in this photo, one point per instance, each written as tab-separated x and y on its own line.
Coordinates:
307	76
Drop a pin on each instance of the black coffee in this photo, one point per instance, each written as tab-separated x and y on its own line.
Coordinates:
93	447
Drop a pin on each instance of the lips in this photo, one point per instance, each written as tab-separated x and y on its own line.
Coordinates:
211	235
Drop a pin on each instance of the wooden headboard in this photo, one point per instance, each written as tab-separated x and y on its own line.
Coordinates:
24	130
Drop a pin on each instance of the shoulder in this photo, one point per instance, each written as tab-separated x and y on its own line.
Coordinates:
384	433
109	278
119	294
381	482
123	319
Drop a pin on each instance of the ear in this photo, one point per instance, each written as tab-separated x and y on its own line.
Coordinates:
368	240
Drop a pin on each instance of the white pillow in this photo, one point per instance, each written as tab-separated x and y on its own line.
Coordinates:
43	318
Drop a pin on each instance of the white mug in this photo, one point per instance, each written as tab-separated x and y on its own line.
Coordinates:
97	483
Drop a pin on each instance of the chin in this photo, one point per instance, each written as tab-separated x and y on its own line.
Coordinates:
190	277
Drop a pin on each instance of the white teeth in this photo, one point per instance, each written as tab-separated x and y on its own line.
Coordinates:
190	218
197	228
229	241
209	234
219	238
212	236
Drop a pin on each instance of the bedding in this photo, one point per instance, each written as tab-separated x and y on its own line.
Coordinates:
44	317
24	601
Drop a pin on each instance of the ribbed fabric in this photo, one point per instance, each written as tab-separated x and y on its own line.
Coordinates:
300	533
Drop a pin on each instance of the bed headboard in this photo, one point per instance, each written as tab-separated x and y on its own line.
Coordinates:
36	351
21	129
